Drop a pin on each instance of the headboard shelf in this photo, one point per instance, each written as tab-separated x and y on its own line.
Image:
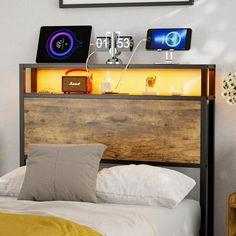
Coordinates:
160	129
104	66
175	79
109	96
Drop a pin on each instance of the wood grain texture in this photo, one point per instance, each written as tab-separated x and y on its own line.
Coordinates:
138	130
231	227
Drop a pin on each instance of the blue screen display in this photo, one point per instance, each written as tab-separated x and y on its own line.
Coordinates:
166	39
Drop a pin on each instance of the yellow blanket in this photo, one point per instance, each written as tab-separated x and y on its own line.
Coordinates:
31	225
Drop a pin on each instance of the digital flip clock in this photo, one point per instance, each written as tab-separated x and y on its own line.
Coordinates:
114	43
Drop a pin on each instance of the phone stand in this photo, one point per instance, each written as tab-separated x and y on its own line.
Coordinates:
169	56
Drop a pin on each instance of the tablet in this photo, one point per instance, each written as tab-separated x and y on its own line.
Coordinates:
64	44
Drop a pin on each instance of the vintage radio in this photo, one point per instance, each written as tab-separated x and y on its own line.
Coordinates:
77	84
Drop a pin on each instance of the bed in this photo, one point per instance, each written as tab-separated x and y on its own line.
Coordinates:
130	199
117	220
171	131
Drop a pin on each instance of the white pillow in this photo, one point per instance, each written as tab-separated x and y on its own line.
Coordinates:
11	183
143	185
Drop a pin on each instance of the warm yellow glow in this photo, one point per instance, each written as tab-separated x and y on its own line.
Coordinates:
49	80
168	81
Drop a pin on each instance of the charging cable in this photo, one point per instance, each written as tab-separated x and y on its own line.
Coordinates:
131	57
87	61
81	69
127	65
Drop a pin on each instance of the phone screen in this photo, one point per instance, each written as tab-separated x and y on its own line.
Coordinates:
167	39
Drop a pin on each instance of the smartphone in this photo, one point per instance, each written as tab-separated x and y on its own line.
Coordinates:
169	39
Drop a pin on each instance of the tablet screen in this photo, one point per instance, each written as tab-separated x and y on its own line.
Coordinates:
64	44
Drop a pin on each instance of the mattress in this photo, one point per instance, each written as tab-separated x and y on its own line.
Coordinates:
117	220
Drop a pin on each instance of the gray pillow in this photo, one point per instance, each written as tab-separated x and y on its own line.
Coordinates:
62	172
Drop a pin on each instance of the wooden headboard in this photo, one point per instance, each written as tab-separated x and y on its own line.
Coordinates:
159	130
134	129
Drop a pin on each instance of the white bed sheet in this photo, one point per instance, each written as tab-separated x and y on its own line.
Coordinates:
117	220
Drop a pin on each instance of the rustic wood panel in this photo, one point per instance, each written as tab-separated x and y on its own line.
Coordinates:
143	130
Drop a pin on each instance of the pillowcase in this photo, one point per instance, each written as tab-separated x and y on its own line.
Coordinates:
143	185
62	172
11	183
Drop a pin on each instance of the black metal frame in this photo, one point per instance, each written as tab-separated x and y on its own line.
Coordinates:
207	159
131	4
22	118
207	129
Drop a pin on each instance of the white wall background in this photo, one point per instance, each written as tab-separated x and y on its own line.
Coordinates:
214	41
